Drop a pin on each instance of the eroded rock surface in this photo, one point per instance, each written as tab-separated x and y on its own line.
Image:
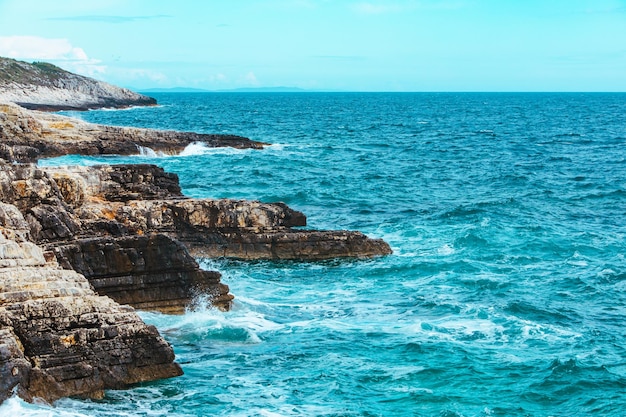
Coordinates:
239	229
69	216
57	336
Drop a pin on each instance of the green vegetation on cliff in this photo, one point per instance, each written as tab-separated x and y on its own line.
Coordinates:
44	86
37	73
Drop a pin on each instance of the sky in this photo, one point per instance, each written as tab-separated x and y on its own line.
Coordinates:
351	45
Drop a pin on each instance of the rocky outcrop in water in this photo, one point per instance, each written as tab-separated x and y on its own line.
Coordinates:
57	336
26	136
44	86
132	233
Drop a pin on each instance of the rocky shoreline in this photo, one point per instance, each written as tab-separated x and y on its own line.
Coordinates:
81	247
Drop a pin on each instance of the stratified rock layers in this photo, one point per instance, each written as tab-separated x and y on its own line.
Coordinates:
151	203
69	216
57	336
147	272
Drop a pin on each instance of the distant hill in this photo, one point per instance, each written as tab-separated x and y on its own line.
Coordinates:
175	90
264	90
44	86
234	90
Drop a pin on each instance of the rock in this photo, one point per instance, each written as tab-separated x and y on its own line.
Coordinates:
67	214
58	337
26	136
148	272
285	244
47	87
14	366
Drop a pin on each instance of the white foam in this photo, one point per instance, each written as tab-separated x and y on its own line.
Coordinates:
201	148
15	406
202	318
277	146
195	148
147	152
446	250
123	108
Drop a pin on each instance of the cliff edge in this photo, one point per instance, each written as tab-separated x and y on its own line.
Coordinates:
43	86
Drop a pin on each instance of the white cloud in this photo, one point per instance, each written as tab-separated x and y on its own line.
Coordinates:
33	47
57	51
374	8
251	79
218	78
139	74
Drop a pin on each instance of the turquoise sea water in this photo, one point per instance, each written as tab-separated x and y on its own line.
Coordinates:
506	292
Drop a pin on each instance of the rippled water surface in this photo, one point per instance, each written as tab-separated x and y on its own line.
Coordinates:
506	292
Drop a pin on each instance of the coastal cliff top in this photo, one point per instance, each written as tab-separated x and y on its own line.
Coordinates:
43	86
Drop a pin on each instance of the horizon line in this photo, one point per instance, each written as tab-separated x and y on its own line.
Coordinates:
295	90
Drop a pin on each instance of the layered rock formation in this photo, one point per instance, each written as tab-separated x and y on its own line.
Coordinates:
44	86
68	215
57	336
26	136
143	199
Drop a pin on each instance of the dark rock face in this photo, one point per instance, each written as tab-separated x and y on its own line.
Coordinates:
148	272
68	216
285	244
57	336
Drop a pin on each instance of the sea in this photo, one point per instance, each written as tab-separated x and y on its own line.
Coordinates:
505	294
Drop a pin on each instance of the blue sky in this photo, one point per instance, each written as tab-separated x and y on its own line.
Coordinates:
354	45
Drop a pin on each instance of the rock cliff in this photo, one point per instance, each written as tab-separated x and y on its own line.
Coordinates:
57	336
69	217
44	86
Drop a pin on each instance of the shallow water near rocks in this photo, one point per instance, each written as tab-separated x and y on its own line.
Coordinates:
506	292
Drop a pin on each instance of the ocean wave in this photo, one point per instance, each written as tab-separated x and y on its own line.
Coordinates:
15	406
201	148
147	152
202	322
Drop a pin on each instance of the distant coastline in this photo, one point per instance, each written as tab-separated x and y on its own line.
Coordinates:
234	90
